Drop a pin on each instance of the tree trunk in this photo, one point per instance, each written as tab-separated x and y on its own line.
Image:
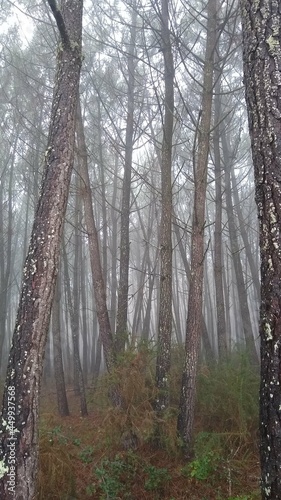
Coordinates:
19	422
218	256
195	299
84	303
97	274
244	235
235	252
165	305
79	385
210	355
122	310
262	62
58	363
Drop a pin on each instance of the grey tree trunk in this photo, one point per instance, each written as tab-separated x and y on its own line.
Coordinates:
97	273
218	255
19	422
261	22
165	305
79	385
235	252
58	362
195	299
122	308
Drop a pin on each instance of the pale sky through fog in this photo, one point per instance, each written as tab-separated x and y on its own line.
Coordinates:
22	20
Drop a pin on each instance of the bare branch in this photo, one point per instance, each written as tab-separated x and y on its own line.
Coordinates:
60	21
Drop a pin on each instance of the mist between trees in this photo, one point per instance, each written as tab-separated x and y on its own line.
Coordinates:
158	242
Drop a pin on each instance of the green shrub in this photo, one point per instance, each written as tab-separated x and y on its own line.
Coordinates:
228	398
156	478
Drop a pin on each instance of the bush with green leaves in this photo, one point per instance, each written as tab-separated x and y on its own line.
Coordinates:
228	397
157	477
115	477
208	455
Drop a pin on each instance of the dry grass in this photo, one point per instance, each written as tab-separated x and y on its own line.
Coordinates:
84	458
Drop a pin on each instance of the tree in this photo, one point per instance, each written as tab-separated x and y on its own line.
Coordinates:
261	22
19	429
122	311
195	299
58	361
165	306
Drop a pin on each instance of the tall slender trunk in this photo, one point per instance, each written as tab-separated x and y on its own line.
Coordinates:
74	321
235	251
165	306
122	310
195	299
94	251
84	305
6	252
218	256
113	247
245	238
58	363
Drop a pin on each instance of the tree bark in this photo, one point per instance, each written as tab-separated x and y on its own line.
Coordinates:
58	362
261	22
19	428
218	256
165	305
79	385
195	299
235	252
97	273
122	308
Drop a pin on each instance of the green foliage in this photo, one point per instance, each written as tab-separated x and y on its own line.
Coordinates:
76	441
208	454
202	468
56	434
115	476
87	454
156	478
228	398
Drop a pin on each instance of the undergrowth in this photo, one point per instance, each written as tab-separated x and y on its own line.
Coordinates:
110	454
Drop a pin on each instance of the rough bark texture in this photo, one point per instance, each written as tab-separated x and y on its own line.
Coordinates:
195	300
209	352
165	307
19	440
262	62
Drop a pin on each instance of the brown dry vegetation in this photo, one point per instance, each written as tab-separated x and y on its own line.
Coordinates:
89	458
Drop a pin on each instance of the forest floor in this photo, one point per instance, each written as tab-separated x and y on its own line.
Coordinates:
87	458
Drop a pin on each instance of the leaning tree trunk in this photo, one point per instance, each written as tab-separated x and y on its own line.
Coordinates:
19	422
95	261
261	21
195	299
94	251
